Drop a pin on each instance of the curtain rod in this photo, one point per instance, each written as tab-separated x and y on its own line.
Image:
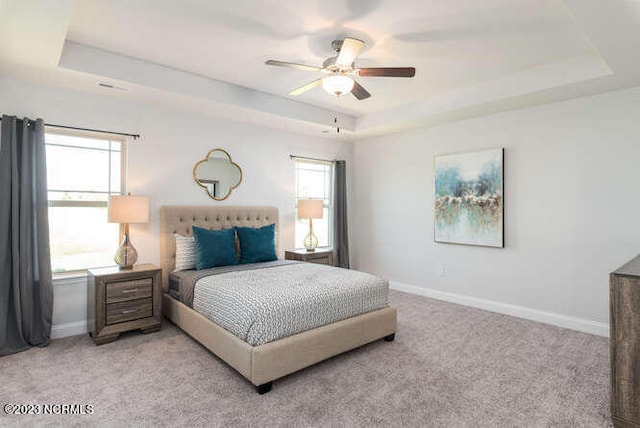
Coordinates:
314	159
135	136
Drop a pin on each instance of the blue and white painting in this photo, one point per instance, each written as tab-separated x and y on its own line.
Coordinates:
469	198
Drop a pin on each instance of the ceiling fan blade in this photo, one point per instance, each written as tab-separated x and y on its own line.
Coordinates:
387	72
349	51
359	92
292	65
305	88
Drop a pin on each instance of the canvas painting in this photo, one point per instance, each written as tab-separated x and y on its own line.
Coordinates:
469	198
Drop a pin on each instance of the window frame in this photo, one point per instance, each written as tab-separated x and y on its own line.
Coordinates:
95	135
327	202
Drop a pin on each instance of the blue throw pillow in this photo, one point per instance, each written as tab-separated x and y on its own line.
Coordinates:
214	247
257	244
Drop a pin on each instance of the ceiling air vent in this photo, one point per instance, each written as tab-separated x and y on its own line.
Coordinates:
110	86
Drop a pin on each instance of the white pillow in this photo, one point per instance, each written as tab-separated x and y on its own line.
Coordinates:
185	252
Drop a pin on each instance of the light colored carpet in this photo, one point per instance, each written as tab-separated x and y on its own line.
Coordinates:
449	366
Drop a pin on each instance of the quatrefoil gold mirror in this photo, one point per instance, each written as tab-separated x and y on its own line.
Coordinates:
217	174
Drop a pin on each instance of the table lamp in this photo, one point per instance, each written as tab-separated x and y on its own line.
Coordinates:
127	210
310	208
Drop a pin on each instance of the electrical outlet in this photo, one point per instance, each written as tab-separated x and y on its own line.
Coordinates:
440	270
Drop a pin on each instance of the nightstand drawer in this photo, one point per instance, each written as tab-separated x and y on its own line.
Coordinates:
322	256
129	310
321	260
122	291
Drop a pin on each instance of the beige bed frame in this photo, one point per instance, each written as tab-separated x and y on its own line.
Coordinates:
265	363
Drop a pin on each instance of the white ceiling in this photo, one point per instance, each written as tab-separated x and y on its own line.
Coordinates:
472	56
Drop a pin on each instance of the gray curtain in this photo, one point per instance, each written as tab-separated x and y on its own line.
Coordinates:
26	293
340	229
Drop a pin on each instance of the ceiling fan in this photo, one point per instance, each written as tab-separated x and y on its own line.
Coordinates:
340	71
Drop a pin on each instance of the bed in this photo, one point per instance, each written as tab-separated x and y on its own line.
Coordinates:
263	363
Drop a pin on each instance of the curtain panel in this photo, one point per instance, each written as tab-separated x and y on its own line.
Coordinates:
340	227
26	292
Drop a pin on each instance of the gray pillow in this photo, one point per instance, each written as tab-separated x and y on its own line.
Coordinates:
185	252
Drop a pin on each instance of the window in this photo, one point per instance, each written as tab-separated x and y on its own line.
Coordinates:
83	170
314	180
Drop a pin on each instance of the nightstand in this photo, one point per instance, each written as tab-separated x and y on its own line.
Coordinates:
124	300
323	256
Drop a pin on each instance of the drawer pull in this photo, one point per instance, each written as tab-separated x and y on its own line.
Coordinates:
128	311
131	290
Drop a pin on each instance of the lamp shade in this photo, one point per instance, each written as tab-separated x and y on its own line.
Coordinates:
128	209
310	208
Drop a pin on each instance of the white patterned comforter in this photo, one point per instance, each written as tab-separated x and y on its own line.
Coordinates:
262	305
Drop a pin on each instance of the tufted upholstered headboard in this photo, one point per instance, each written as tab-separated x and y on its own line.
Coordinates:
180	218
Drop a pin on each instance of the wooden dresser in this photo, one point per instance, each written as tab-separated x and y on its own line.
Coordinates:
323	256
624	303
123	300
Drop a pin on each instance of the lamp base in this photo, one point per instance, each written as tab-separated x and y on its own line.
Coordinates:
310	242
126	255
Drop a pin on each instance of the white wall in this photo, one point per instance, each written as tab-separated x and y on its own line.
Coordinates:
570	186
571	209
161	164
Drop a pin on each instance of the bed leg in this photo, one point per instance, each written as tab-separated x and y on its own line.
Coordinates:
264	388
390	337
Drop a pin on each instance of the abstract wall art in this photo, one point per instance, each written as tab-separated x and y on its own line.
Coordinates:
469	198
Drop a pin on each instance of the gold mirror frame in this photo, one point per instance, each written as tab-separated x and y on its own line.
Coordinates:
204	186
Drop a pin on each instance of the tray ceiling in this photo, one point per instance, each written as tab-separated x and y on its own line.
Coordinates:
468	53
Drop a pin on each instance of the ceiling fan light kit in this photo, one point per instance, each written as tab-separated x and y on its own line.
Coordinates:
338	84
340	71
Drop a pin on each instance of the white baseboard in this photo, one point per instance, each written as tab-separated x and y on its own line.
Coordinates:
573	323
69	329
